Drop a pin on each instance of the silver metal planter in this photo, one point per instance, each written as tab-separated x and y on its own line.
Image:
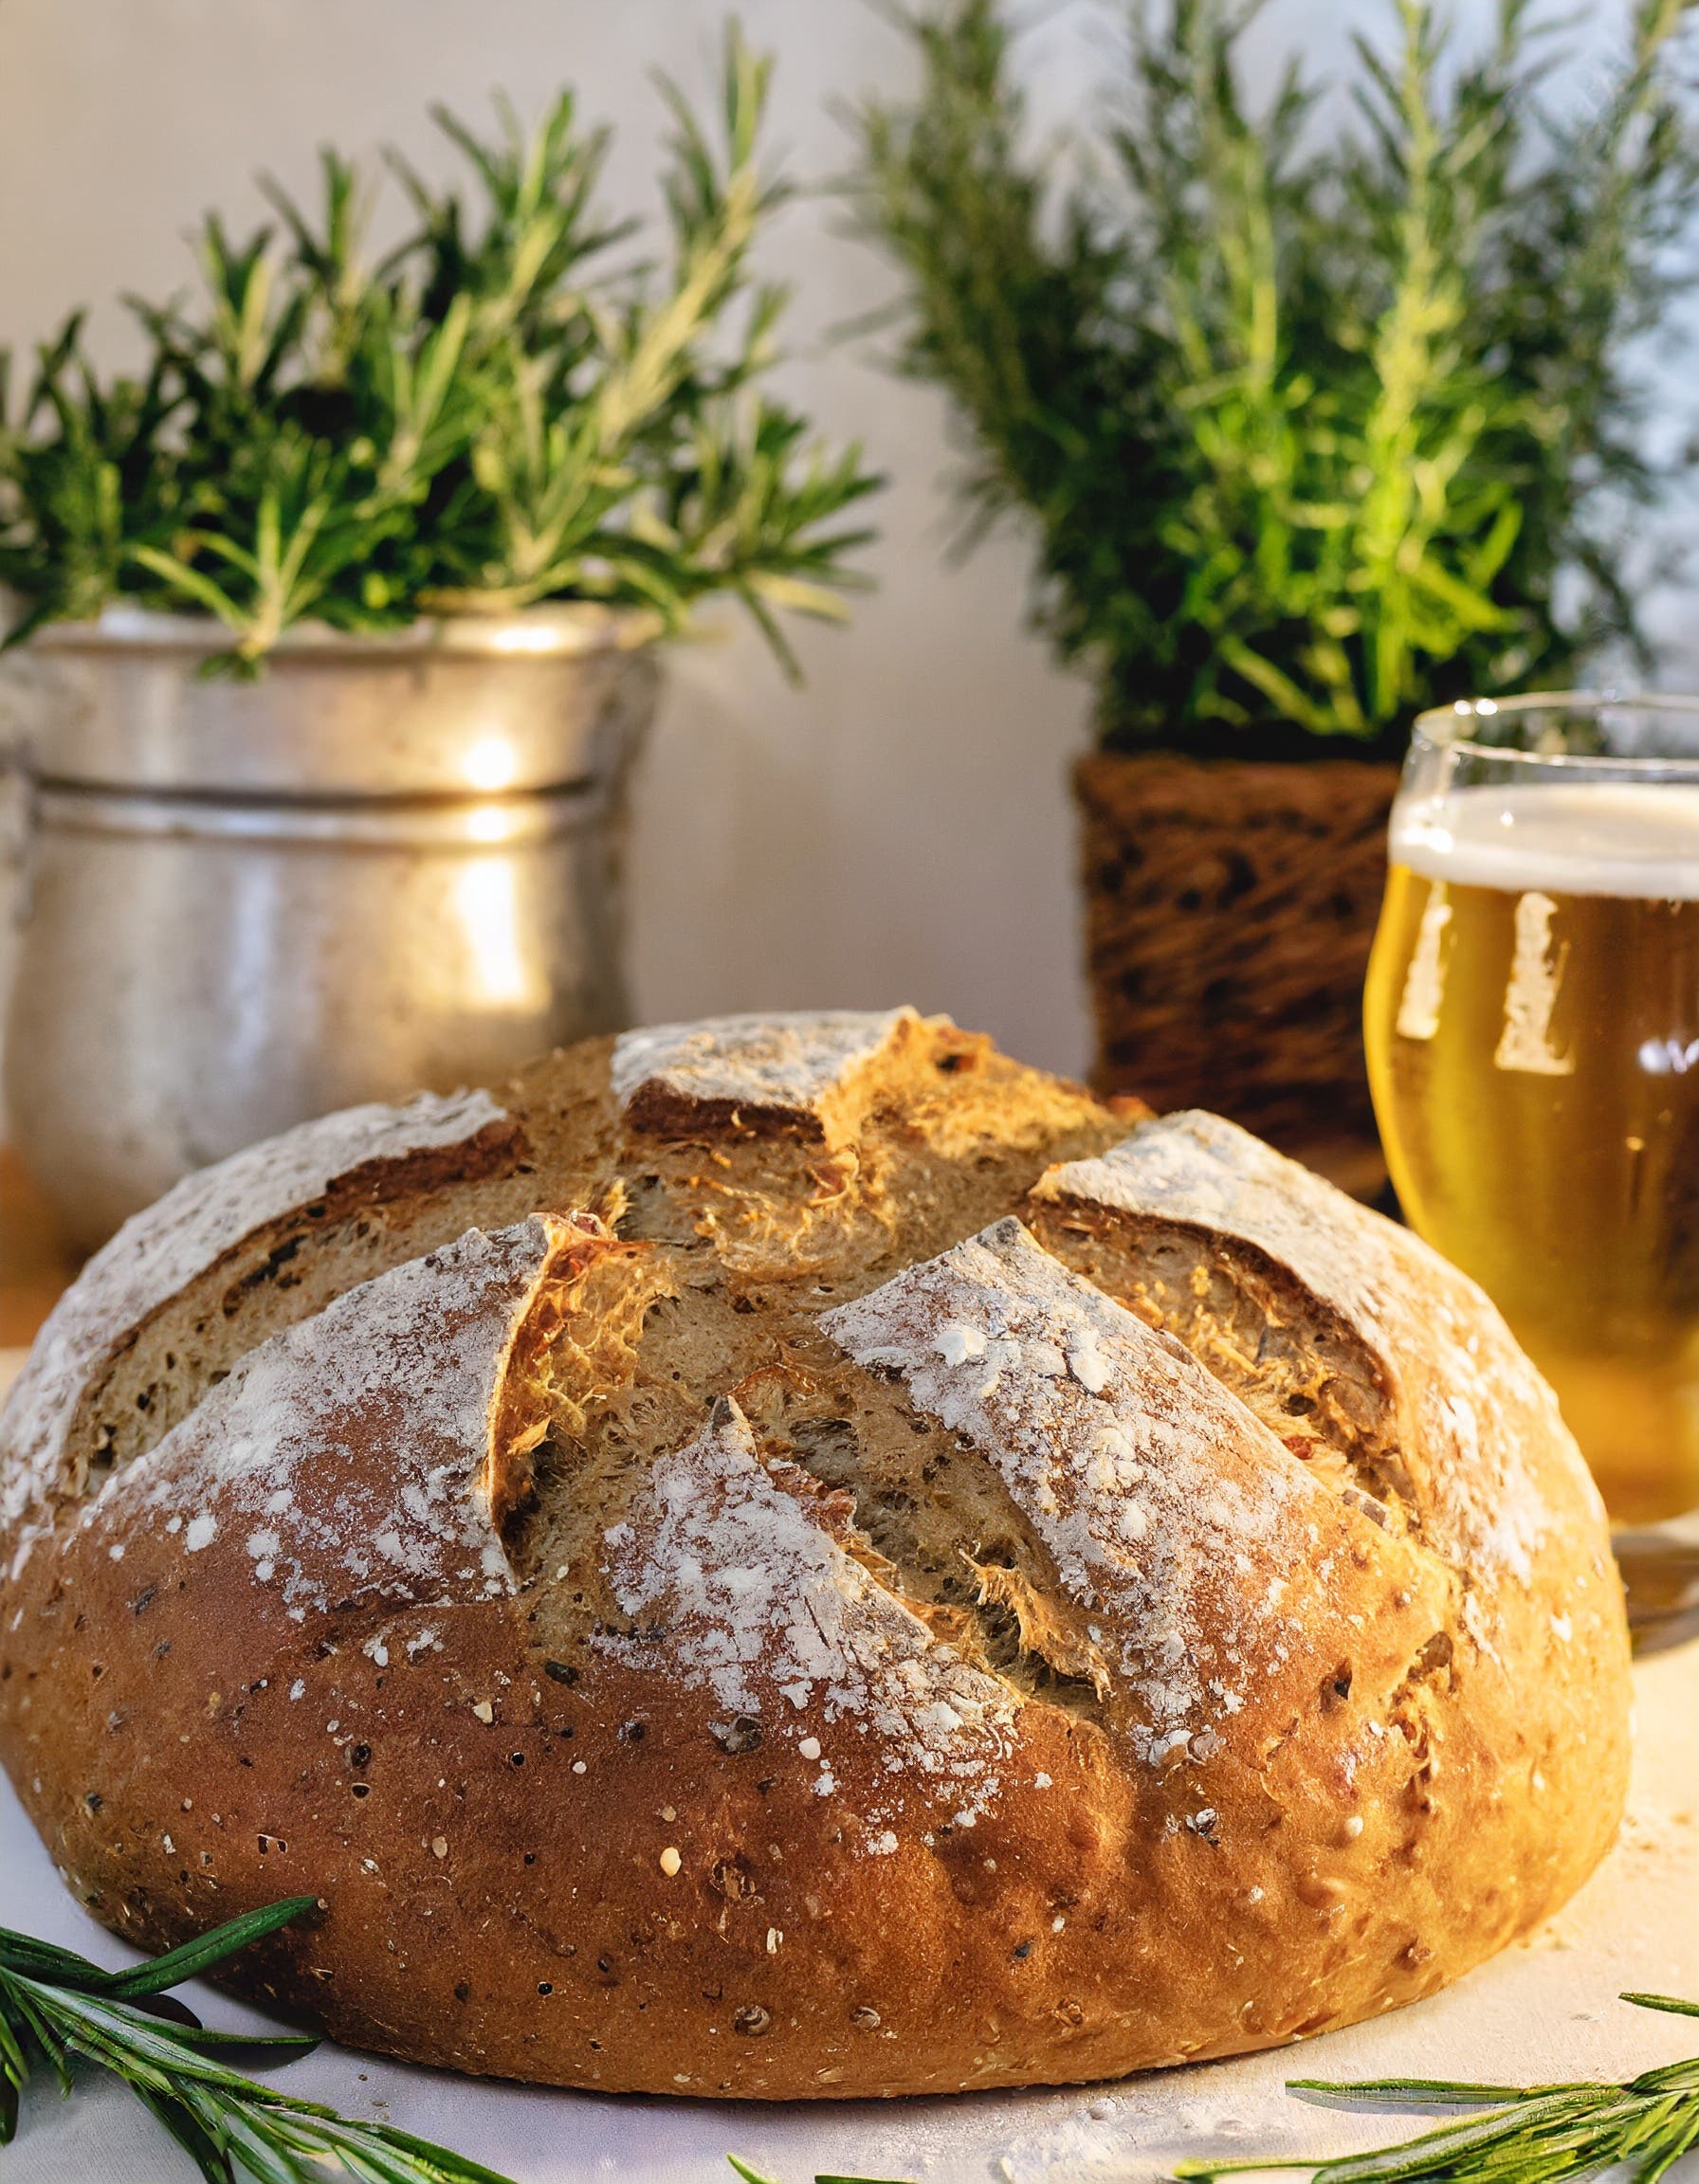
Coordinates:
392	862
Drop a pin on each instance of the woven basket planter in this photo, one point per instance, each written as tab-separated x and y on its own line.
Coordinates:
1230	905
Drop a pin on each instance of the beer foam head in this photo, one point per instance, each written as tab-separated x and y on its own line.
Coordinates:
1571	838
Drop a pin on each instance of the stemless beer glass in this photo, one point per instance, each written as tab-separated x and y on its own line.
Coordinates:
1532	1027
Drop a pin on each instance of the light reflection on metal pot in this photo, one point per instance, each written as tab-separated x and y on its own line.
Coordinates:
390	862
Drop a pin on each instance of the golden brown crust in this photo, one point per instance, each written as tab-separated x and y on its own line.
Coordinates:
850	1602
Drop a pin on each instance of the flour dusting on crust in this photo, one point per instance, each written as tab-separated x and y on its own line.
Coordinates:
784	1064
348	1454
1195	1167
733	1586
158	1252
1475	1416
1169	1510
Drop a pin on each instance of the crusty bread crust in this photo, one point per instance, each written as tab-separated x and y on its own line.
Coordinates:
799	1557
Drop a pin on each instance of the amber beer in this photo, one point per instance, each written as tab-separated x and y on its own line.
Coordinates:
1532	1026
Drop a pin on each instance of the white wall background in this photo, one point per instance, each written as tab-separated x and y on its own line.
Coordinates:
898	828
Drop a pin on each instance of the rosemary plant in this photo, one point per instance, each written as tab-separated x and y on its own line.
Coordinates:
1316	426
498	411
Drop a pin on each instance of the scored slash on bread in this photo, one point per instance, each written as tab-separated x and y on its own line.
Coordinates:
753	1598
769	1072
239	1218
1173	1518
356	1457
1408	1350
802	1557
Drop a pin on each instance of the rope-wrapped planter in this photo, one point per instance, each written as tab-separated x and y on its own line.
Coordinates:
1230	905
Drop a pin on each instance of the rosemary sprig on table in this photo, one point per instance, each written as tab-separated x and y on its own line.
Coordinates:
1527	2135
56	2007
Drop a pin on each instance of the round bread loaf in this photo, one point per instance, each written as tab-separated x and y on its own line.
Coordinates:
801	1557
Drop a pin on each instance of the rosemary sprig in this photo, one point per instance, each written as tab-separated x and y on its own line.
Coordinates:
56	2007
1527	2135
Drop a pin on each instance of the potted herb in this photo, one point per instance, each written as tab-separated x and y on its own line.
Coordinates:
1317	422
334	631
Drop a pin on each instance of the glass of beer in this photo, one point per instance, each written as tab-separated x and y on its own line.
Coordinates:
1532	1027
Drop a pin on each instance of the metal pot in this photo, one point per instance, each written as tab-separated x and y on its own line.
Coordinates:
391	863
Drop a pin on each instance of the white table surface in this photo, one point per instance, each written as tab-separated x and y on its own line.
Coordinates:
1543	2011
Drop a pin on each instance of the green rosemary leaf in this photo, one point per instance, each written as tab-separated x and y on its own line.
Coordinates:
1413	2092
1669	2002
432	2162
190	1958
185	2127
45	1961
268	2046
1669	2078
32	2029
14	2065
90	2025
